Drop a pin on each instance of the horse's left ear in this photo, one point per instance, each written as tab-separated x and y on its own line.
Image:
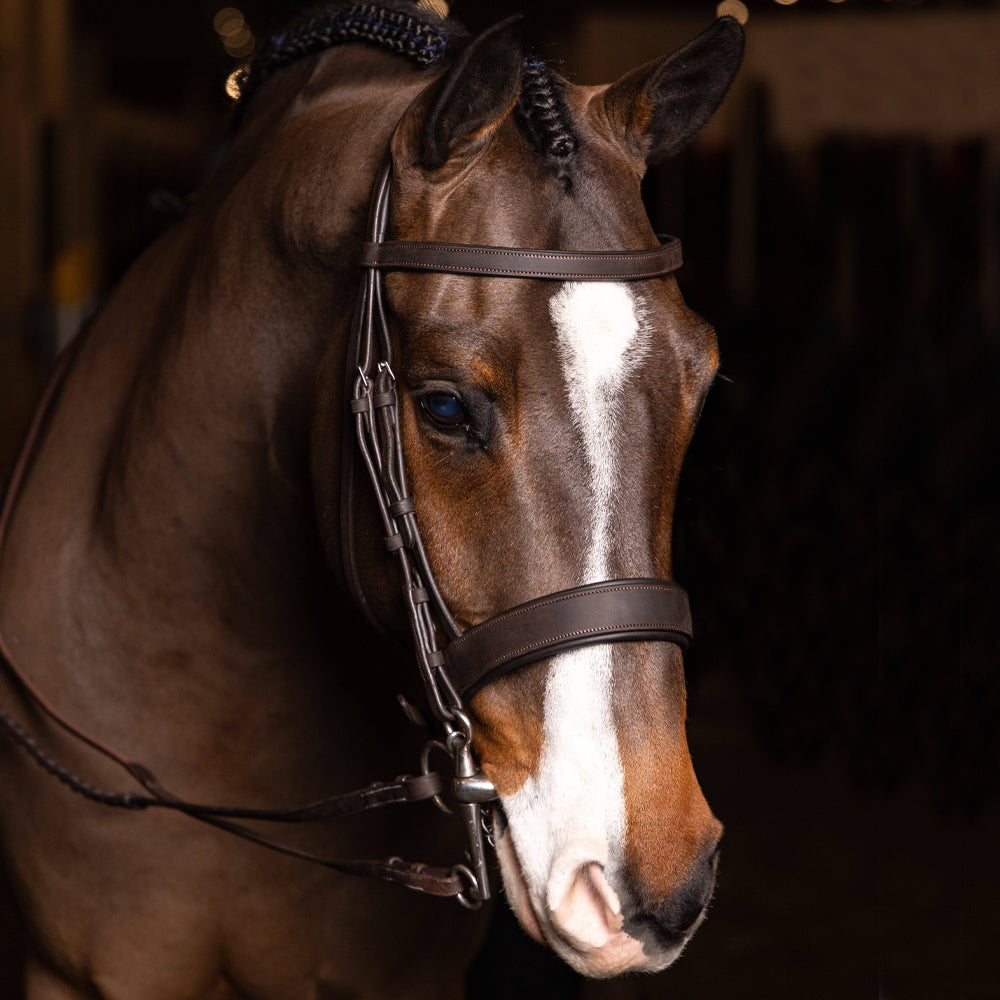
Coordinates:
473	96
658	108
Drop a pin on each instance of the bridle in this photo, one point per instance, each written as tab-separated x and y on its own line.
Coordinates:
609	611
452	664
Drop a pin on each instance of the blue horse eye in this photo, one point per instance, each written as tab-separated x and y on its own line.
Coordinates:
444	408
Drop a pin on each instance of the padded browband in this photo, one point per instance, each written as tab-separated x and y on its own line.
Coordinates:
612	611
514	262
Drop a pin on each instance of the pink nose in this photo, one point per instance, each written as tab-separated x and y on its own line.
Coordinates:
589	914
586	912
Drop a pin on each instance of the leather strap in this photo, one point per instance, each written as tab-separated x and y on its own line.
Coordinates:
611	611
406	788
516	262
414	875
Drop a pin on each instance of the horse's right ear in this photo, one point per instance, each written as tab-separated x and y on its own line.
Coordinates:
475	94
658	108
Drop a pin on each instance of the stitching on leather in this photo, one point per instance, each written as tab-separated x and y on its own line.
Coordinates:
543	602
500	272
403	248
542	644
397	256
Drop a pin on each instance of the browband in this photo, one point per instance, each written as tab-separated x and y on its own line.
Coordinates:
513	262
611	611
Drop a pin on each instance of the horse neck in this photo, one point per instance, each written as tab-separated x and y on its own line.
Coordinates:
202	502
176	470
208	478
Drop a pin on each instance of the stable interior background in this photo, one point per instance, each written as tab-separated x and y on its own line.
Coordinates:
840	220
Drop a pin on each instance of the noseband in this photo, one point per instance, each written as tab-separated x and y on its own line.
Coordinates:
609	611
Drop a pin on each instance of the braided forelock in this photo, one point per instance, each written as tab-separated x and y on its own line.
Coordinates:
544	115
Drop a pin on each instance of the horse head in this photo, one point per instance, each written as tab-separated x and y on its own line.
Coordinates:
544	426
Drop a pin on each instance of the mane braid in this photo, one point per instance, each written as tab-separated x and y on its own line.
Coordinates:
544	115
397	28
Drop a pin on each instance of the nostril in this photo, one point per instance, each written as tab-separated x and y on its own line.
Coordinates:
681	910
588	913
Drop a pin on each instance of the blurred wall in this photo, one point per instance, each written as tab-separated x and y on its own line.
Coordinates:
931	73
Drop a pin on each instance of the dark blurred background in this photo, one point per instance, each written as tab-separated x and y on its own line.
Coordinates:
840	219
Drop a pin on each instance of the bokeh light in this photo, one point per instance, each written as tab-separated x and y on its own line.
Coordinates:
228	21
233	82
733	8
234	32
438	7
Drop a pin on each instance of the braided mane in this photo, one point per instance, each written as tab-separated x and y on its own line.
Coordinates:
545	118
426	40
391	26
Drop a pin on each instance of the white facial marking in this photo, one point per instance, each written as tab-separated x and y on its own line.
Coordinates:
602	340
572	812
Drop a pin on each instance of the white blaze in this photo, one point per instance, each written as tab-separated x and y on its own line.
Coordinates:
573	811
601	342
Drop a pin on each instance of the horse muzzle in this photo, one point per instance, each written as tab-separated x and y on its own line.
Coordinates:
600	924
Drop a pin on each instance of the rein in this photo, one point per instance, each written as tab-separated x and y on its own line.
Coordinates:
452	664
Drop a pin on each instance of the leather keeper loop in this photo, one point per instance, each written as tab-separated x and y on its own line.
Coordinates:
612	611
361	405
393	543
420	595
399	507
383	399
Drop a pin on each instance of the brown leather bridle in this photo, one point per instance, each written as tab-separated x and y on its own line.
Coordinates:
609	611
453	664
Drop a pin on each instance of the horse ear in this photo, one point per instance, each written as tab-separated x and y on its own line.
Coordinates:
658	108
474	95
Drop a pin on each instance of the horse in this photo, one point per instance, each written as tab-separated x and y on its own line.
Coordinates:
177	582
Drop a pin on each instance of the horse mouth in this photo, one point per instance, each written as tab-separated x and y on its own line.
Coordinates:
587	926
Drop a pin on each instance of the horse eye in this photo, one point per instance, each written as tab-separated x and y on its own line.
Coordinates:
445	409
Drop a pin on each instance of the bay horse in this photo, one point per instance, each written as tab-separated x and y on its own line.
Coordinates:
175	567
